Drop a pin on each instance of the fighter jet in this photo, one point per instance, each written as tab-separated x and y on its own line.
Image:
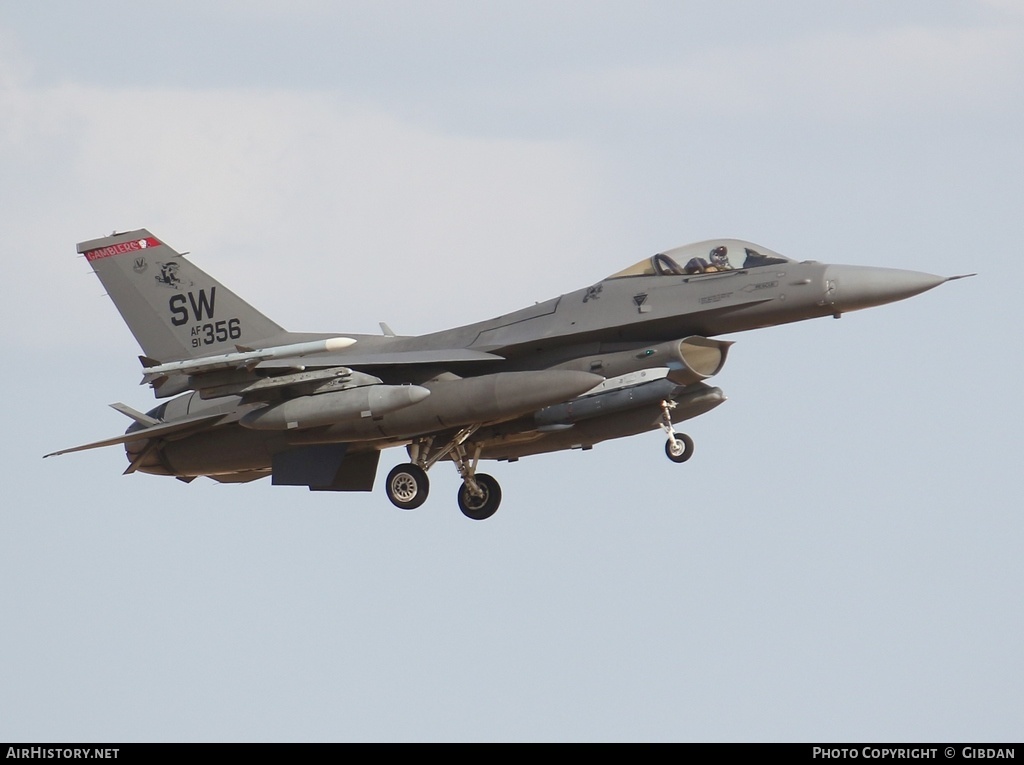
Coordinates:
630	353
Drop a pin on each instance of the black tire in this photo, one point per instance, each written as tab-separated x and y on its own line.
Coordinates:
679	450
407	486
480	508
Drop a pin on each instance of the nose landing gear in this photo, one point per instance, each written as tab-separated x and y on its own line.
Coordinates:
679	447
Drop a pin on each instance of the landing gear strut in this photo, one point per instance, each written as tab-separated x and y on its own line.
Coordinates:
407	485
480	494
679	447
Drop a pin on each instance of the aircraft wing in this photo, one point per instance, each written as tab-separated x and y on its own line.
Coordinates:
238	373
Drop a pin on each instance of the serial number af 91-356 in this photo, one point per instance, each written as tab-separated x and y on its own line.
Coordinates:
217	332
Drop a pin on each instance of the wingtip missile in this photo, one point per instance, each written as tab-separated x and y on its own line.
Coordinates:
243	358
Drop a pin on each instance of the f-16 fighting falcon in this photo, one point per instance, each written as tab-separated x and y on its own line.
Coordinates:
245	399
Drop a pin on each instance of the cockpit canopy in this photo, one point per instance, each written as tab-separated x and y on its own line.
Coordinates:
709	257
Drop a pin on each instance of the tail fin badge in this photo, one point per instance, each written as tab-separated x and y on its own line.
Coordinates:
121	248
170	277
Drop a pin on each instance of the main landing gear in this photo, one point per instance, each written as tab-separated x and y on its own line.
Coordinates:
408	486
679	447
482	504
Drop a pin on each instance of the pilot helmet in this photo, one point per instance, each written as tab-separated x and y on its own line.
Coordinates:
720	256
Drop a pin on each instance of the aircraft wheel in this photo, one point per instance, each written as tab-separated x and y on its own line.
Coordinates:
407	486
680	448
480	508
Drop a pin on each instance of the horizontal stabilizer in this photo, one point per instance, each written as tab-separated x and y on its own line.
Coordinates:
157	431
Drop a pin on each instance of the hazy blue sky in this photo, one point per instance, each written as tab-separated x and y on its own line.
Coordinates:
841	560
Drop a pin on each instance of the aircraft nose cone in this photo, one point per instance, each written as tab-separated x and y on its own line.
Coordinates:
850	288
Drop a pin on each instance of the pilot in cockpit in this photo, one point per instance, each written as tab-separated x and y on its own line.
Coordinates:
719	262
720	259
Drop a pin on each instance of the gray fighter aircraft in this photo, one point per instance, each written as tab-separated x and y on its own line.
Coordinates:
628	354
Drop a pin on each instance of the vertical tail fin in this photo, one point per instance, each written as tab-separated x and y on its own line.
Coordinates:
174	309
